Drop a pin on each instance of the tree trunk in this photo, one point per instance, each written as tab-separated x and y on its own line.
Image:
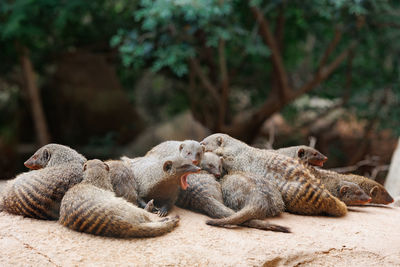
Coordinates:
39	119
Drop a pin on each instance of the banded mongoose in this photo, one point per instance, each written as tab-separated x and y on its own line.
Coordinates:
204	194
301	191
348	192
304	154
92	207
160	179
124	183
38	193
189	149
375	190
252	197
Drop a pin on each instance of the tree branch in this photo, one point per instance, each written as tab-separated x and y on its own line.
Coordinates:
335	41
203	79
224	82
39	118
324	73
269	39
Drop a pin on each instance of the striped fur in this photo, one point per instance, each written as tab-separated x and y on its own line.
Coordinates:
91	207
301	191
37	194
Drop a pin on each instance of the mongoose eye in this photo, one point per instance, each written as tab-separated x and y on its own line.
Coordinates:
219	141
181	147
300	153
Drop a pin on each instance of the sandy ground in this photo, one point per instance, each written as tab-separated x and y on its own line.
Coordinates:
367	236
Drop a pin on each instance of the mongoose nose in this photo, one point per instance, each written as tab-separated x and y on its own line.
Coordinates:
195	162
217	175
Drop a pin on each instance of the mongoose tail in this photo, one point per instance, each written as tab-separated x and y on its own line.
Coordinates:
245	217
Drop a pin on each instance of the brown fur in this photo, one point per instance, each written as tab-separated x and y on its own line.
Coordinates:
348	192
91	207
301	191
376	191
38	193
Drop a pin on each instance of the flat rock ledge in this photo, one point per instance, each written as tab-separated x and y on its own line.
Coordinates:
367	236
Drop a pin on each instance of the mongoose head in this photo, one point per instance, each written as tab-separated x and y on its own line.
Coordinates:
222	144
305	154
351	194
179	168
212	163
52	155
375	190
192	150
308	155
96	172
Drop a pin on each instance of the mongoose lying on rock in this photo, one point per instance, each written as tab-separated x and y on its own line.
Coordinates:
349	193
38	193
160	179
301	191
124	183
188	149
252	197
91	207
204	194
375	190
304	154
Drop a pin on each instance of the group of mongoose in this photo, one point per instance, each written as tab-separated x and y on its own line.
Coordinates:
222	177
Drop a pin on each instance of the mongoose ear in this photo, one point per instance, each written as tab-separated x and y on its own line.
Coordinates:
107	167
167	166
300	153
181	147
344	189
373	191
219	141
46	154
221	159
84	167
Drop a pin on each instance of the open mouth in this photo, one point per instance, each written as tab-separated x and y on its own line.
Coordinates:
184	184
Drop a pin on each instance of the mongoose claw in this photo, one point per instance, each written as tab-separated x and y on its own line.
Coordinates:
162	212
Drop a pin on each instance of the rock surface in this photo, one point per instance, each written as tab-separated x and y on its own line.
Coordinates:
367	236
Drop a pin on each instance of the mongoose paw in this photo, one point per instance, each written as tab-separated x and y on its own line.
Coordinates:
162	212
149	206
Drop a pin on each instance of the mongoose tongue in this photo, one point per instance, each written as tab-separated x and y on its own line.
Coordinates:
316	162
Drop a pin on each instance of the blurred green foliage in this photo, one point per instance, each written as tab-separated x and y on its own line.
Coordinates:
162	35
